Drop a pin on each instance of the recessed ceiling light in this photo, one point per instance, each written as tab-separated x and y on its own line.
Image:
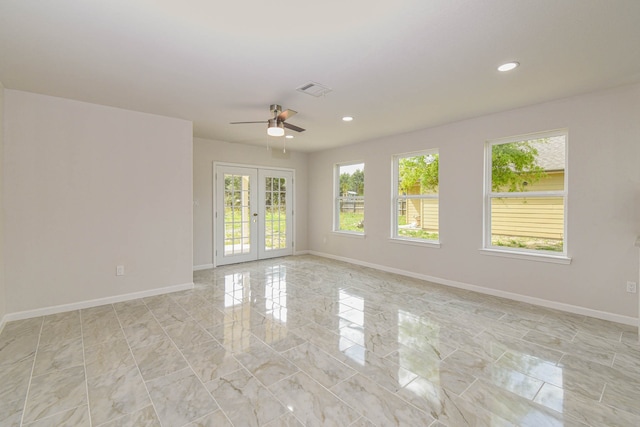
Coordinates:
289	136
347	119
508	66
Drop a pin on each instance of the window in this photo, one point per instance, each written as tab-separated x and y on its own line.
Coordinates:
349	200
526	194
415	196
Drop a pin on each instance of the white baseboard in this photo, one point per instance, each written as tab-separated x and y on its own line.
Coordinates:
210	266
627	320
93	303
202	267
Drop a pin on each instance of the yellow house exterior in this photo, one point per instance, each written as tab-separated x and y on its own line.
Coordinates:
541	217
424	213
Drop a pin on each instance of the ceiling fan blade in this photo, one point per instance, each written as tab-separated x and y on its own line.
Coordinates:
286	115
242	123
293	127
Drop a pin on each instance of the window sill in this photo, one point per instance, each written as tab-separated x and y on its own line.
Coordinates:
554	259
349	234
414	242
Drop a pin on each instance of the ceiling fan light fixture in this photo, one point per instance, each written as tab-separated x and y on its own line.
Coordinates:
275	128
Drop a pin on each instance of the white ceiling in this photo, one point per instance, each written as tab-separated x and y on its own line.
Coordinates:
395	66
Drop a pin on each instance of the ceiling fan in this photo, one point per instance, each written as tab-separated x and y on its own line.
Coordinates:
275	126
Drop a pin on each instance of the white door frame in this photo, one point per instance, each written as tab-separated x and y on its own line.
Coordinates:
218	212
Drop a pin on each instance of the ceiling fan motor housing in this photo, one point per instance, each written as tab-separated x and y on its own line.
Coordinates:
275	109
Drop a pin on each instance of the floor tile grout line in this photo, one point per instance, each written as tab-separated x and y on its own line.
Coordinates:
84	366
475	380
62	411
207	390
533	399
273	394
446	392
155	410
242	367
185	359
33	365
334	358
191	317
316	381
206	415
604	388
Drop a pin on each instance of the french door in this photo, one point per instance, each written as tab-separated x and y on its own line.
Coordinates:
253	214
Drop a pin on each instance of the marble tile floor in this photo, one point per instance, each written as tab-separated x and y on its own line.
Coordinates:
307	341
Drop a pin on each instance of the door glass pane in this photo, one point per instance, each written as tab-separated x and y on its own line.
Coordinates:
237	214
275	236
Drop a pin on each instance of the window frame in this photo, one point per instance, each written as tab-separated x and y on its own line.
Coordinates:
395	200
489	195
337	197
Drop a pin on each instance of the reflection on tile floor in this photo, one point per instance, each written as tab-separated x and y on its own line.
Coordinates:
306	341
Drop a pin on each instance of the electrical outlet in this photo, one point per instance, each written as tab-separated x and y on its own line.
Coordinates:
120	270
632	287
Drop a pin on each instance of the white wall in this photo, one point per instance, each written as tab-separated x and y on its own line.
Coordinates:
89	187
3	291
205	152
603	214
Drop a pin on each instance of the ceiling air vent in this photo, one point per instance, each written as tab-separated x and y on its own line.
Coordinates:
314	89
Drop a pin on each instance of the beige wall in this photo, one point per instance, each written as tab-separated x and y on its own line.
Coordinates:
89	187
3	291
603	204
205	152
